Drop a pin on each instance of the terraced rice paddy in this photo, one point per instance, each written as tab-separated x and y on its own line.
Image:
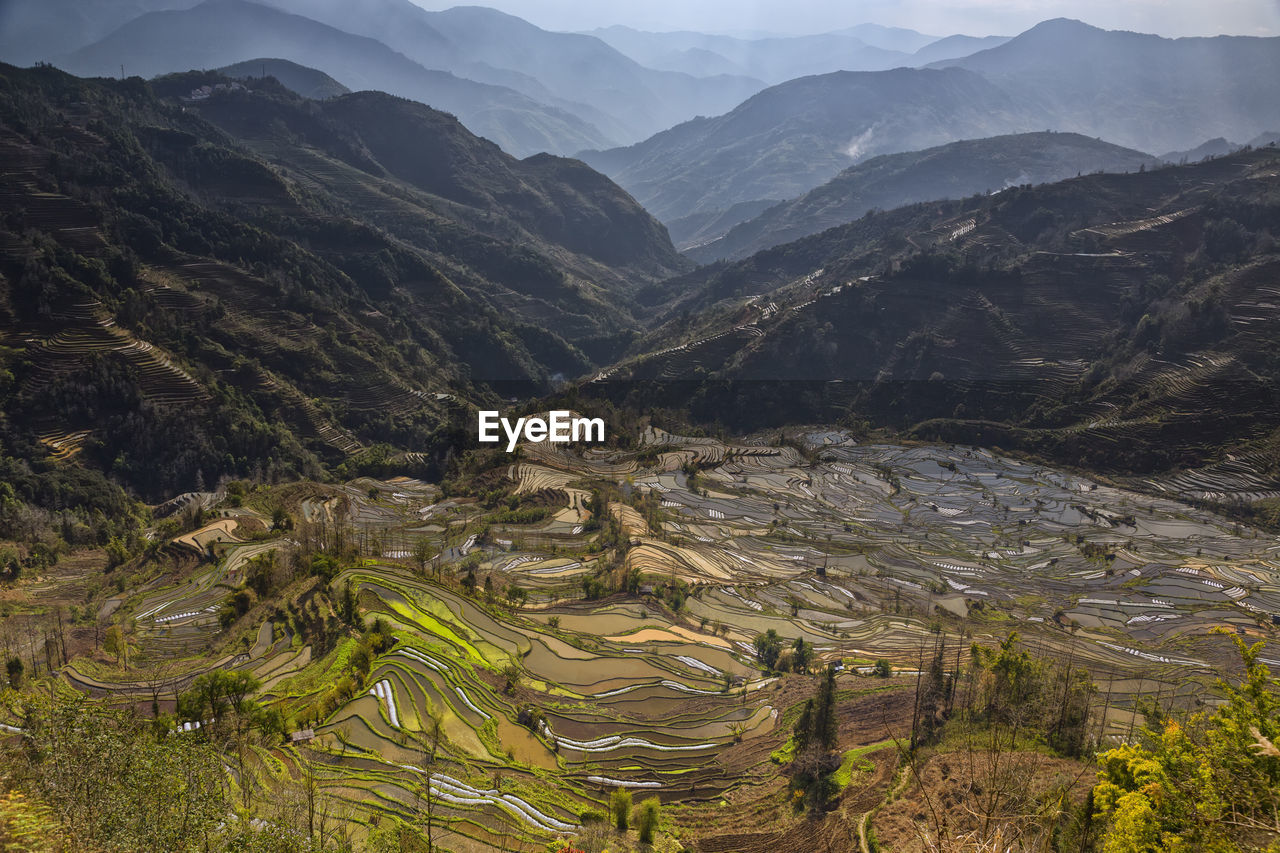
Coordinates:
862	550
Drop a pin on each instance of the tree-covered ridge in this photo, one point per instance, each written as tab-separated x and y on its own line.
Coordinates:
1121	322
178	308
956	170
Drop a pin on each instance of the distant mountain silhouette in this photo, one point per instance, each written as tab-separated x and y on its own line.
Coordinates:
223	32
792	137
774	60
1139	90
578	73
955	47
38	30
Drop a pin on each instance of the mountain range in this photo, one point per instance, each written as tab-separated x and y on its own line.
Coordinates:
1115	321
1141	92
252	279
556	92
794	136
223	32
777	59
323	241
952	171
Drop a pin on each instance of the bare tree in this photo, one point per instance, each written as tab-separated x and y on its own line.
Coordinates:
428	745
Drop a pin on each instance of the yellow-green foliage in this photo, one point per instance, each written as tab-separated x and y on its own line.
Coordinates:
784	753
488	734
1211	784
432	616
647	817
855	760
27	826
620	806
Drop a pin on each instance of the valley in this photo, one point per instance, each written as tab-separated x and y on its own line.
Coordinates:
436	430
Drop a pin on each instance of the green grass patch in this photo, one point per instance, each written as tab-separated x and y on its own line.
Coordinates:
855	760
488	734
785	753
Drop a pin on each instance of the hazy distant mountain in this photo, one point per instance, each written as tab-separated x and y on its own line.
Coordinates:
1139	90
953	171
222	32
889	38
866	47
773	60
38	30
706	226
1143	92
307	82
1216	147
955	47
578	73
697	61
792	137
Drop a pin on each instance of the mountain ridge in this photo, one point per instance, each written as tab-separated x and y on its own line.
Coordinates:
255	282
1116	319
951	171
1137	89
1141	92
789	138
213	34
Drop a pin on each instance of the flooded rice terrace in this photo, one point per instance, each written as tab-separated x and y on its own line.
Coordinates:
866	551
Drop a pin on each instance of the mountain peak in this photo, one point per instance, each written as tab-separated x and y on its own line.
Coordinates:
1064	24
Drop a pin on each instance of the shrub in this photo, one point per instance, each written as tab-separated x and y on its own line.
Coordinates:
620	805
647	819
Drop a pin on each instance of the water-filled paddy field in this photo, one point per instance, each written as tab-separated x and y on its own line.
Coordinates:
865	551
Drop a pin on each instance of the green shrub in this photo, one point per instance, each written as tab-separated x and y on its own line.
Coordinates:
620	805
647	819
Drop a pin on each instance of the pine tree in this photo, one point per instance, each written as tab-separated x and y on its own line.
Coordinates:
825	725
803	731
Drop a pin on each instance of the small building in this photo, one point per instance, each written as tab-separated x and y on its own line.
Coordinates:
302	736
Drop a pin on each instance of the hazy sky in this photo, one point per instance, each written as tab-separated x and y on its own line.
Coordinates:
936	17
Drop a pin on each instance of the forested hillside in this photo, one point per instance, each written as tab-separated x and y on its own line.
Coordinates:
1120	322
254	284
